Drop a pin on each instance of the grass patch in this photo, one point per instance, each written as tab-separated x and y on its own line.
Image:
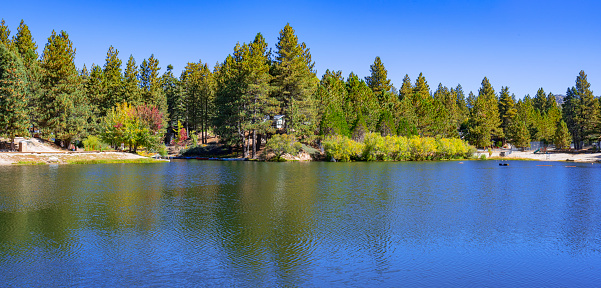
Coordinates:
30	163
114	161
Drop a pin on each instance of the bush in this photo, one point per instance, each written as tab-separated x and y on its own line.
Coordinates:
282	144
342	148
92	143
396	148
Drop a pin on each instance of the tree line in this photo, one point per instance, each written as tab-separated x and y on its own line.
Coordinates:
236	99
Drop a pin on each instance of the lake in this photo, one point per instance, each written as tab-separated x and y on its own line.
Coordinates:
248	224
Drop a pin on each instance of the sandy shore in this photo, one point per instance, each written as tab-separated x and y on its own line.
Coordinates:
589	157
8	158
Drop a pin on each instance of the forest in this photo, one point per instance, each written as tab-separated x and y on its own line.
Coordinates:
237	99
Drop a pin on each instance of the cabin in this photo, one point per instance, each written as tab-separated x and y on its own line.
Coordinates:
278	121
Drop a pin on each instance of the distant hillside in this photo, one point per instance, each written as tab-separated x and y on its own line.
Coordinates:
559	98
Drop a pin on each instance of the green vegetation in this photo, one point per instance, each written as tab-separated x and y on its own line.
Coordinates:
396	148
30	163
283	144
92	143
237	99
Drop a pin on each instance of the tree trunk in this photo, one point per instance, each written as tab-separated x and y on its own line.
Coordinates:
254	144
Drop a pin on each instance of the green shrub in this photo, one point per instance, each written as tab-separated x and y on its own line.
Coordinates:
342	148
396	148
92	143
282	144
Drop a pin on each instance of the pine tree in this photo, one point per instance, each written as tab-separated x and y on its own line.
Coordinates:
562	137
256	92
406	88
113	81
507	109
446	112
540	101
227	97
95	92
378	80
5	35
531	117
151	88
484	122
14	118
361	101
27	49
63	105
462	105
520	134
424	112
295	83
581	112
331	95
25	45
131	84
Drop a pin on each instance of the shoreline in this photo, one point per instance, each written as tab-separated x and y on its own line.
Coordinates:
68	157
553	157
85	157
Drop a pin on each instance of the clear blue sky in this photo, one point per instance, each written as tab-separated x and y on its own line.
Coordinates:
521	44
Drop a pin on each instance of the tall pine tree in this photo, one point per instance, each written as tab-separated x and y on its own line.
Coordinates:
14	118
378	80
484	123
64	110
295	83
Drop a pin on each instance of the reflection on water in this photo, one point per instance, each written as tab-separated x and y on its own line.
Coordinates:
301	224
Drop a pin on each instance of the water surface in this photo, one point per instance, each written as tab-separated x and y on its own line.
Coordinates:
243	224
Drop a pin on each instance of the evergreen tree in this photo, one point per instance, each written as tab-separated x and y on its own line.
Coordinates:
507	110
14	118
227	93
462	105
484	123
581	112
5	35
531	117
520	134
447	110
406	88
562	137
361	101
295	83
64	110
378	80
131	84
423	112
540	101
152	91
95	92
113	81
256	91
176	92
332	96
25	45
27	49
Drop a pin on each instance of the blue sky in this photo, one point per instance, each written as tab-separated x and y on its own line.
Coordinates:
521	44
